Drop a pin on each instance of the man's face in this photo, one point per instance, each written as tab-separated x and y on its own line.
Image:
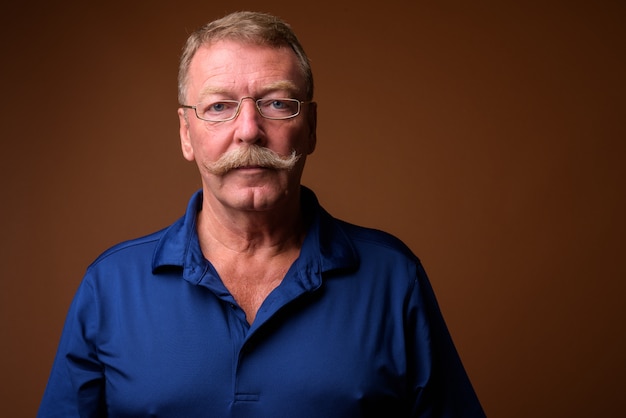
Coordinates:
228	70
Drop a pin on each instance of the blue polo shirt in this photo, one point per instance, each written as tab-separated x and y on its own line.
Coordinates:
353	330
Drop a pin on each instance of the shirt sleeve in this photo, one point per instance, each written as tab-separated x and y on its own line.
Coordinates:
440	385
76	384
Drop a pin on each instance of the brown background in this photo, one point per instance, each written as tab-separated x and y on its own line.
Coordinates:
489	136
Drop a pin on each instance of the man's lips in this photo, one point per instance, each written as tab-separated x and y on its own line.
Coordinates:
250	167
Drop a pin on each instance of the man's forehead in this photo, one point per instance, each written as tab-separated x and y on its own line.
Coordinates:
226	47
221	66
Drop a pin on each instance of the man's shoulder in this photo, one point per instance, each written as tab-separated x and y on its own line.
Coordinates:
375	239
130	249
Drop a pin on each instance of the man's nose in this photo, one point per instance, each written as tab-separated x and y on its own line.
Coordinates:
248	121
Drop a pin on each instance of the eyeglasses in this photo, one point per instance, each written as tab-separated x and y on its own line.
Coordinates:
225	110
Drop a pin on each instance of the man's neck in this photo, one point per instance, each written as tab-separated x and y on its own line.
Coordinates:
251	250
250	233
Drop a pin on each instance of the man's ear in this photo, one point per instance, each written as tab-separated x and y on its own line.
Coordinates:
312	122
185	139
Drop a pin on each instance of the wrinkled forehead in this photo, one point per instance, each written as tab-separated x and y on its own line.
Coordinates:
226	66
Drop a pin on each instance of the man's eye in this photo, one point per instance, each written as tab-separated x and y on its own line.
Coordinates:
278	104
217	107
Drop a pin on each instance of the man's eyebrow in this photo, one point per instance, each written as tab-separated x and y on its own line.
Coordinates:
211	90
284	85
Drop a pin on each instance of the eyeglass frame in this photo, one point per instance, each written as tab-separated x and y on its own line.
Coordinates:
256	104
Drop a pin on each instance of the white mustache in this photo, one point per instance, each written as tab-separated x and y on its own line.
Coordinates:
252	156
